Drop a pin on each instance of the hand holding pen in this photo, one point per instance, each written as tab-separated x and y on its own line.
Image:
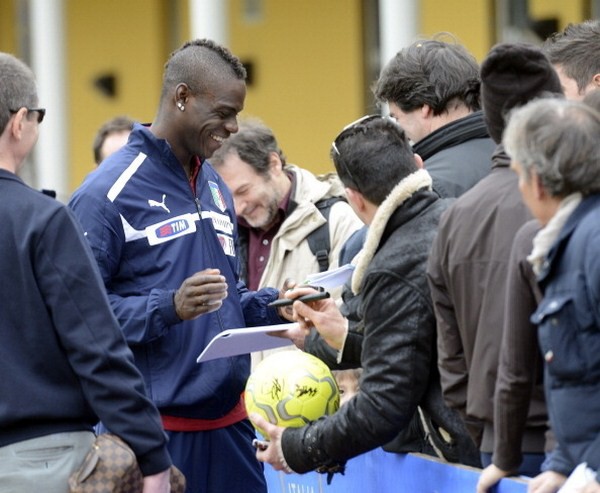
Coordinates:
321	314
313	296
307	294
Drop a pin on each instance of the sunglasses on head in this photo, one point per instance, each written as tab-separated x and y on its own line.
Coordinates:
41	113
346	131
352	126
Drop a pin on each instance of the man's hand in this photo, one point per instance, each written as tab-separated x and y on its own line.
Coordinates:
272	454
295	334
490	477
324	315
157	483
286	312
201	293
546	482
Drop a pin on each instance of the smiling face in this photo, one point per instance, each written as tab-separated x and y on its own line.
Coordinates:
211	116
256	196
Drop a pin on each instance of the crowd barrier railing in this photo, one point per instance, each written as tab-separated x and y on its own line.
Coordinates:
382	472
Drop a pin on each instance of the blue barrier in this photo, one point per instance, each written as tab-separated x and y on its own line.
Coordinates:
381	472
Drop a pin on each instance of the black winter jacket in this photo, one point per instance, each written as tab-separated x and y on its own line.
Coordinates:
396	350
457	155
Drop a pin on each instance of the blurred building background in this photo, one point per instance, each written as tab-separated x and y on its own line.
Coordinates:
310	62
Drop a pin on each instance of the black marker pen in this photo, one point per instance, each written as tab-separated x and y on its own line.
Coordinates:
305	298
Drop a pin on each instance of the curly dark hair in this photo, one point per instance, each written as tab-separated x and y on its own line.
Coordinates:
431	72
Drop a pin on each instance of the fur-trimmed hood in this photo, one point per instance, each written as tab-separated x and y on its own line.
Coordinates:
401	192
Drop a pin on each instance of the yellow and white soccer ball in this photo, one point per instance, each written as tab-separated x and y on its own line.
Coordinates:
291	389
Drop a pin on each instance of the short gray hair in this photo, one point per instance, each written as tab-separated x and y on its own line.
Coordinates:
557	139
17	87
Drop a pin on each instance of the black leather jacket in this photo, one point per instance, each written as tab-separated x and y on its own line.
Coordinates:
392	336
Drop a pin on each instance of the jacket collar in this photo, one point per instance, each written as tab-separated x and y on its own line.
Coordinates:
586	205
378	228
9	175
462	130
499	158
143	137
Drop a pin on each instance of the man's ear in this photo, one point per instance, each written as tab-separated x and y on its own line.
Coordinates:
275	164
426	112
419	161
15	126
356	199
182	92
596	80
538	189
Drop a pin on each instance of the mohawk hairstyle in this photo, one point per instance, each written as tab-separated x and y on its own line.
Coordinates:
199	61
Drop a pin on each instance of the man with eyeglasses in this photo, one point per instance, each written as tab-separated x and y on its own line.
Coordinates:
391	334
63	360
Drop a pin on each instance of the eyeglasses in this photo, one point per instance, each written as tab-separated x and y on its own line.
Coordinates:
346	132
41	113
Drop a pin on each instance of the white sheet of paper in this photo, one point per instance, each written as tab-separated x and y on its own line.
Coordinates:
580	476
233	342
331	278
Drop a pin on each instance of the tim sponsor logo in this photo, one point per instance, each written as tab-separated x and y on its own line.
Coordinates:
172	228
